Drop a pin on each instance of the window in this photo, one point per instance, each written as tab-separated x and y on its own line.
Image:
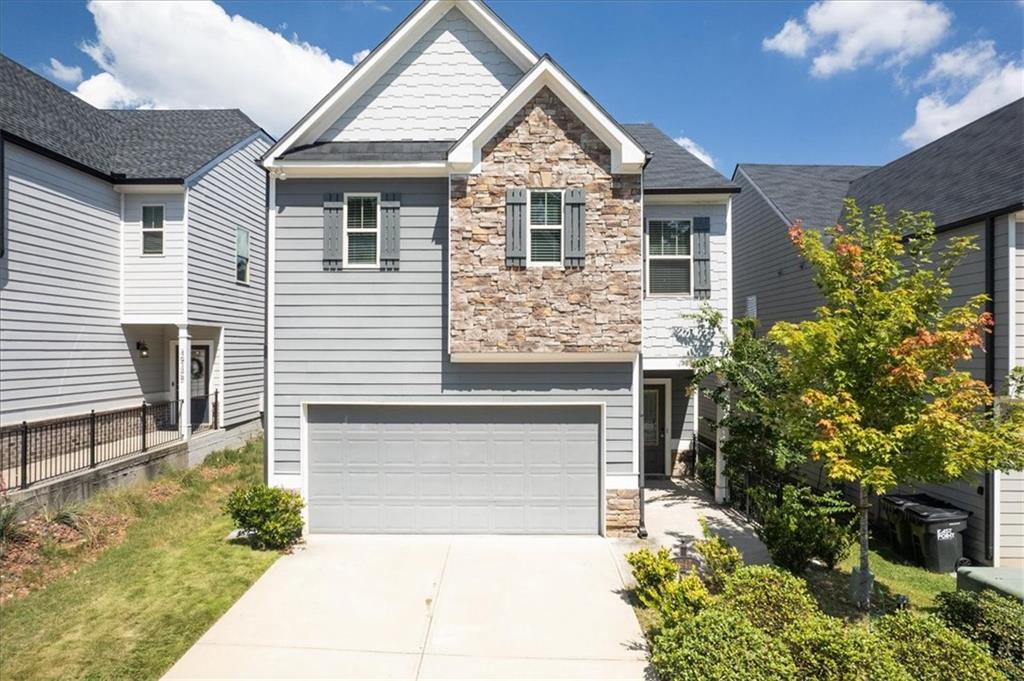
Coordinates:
669	263
152	230
544	235
362	230
242	255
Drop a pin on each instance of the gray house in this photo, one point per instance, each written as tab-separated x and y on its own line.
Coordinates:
972	180
477	288
131	270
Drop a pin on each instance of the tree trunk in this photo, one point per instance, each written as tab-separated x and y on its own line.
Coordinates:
865	580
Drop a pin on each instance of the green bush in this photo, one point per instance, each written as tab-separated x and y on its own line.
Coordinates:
804	525
683	598
994	621
652	571
721	645
770	598
931	651
721	559
270	517
825	649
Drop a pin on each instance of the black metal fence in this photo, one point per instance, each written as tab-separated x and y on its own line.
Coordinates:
33	452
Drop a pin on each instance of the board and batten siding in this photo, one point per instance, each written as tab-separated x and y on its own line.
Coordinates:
446	81
229	196
62	348
153	291
370	336
670	332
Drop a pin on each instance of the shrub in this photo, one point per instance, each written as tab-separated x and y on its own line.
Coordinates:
681	599
805	525
825	649
722	645
12	530
270	517
931	651
994	621
652	571
770	598
721	559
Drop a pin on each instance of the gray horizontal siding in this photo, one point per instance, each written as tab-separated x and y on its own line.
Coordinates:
380	336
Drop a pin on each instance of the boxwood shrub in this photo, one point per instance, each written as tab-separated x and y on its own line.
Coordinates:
270	517
684	598
993	620
652	571
932	651
826	649
770	598
720	558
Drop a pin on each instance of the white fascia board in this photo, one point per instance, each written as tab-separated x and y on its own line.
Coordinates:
718	199
150	188
541	357
368	71
627	155
301	169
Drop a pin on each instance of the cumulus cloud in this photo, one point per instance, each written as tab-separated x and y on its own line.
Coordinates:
849	34
695	149
964	64
62	73
196	55
359	56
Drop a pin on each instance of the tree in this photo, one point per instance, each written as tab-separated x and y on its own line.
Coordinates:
876	391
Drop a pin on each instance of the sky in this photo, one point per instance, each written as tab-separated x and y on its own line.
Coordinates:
752	82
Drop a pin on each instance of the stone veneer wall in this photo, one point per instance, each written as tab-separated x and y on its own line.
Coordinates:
622	518
496	308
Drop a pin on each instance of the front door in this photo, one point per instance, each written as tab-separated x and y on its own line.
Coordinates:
199	384
654	430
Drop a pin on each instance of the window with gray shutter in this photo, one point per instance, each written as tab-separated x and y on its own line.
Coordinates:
702	257
333	208
544	232
575	227
515	228
669	257
390	237
362	231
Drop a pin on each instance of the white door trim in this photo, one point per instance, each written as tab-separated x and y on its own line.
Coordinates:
172	373
666	419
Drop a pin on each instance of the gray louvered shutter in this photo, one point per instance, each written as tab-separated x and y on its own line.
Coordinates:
702	257
390	237
575	227
333	256
515	228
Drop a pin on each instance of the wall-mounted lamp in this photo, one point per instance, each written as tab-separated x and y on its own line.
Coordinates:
142	348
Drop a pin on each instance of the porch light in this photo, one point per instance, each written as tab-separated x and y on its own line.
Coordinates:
142	348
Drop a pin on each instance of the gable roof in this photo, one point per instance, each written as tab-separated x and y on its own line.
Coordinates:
812	194
972	172
673	169
118	145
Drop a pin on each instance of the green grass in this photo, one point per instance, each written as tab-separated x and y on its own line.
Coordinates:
140	605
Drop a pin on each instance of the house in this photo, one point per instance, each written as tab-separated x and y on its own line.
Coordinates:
131	270
972	180
477	284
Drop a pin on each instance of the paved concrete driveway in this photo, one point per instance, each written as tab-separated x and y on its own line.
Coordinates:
429	608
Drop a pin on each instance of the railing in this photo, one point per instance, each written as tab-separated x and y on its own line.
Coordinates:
33	452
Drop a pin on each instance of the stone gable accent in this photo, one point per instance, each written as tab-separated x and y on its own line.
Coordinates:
496	308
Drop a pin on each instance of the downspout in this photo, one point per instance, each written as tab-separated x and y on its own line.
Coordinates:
990	376
642	529
266	326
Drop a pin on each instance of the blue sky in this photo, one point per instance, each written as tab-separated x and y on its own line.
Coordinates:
844	83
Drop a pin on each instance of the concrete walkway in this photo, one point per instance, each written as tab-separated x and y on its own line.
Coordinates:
403	607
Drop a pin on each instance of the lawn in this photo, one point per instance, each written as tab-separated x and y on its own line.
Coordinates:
132	610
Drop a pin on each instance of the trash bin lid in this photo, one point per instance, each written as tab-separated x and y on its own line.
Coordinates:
904	500
934	514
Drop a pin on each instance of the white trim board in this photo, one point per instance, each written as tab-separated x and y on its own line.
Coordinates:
315	169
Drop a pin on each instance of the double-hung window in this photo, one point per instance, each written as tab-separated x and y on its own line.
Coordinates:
242	255
544	230
362	230
152	230
669	257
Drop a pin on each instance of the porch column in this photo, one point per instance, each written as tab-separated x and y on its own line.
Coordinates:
721	480
184	382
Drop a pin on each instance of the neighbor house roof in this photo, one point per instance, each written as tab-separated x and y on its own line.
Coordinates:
673	169
120	145
812	194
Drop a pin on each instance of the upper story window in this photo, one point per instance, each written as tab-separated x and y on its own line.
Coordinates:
669	257
242	255
152	230
544	232
362	230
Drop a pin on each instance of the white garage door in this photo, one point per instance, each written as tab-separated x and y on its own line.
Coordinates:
454	469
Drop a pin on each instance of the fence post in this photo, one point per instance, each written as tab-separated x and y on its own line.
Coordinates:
143	425
24	454
92	438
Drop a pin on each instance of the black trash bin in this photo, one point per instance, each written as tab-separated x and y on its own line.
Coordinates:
893	518
937	534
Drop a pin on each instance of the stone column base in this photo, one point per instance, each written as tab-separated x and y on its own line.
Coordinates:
623	516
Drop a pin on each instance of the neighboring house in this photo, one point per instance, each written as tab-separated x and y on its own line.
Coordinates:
972	180
131	264
477	281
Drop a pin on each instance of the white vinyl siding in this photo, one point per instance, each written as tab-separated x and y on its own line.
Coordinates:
361	239
669	257
544	230
153	286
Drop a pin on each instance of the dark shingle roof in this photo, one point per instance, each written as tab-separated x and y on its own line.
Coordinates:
812	194
971	172
673	167
408	151
122	144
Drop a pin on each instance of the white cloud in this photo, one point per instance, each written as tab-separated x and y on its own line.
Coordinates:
359	56
69	75
695	149
196	55
854	33
965	63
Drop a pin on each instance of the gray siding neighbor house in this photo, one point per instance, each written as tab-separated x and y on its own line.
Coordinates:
478	282
972	180
132	264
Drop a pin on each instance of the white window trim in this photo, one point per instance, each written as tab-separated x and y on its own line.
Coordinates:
649	257
560	227
345	230
162	230
248	263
